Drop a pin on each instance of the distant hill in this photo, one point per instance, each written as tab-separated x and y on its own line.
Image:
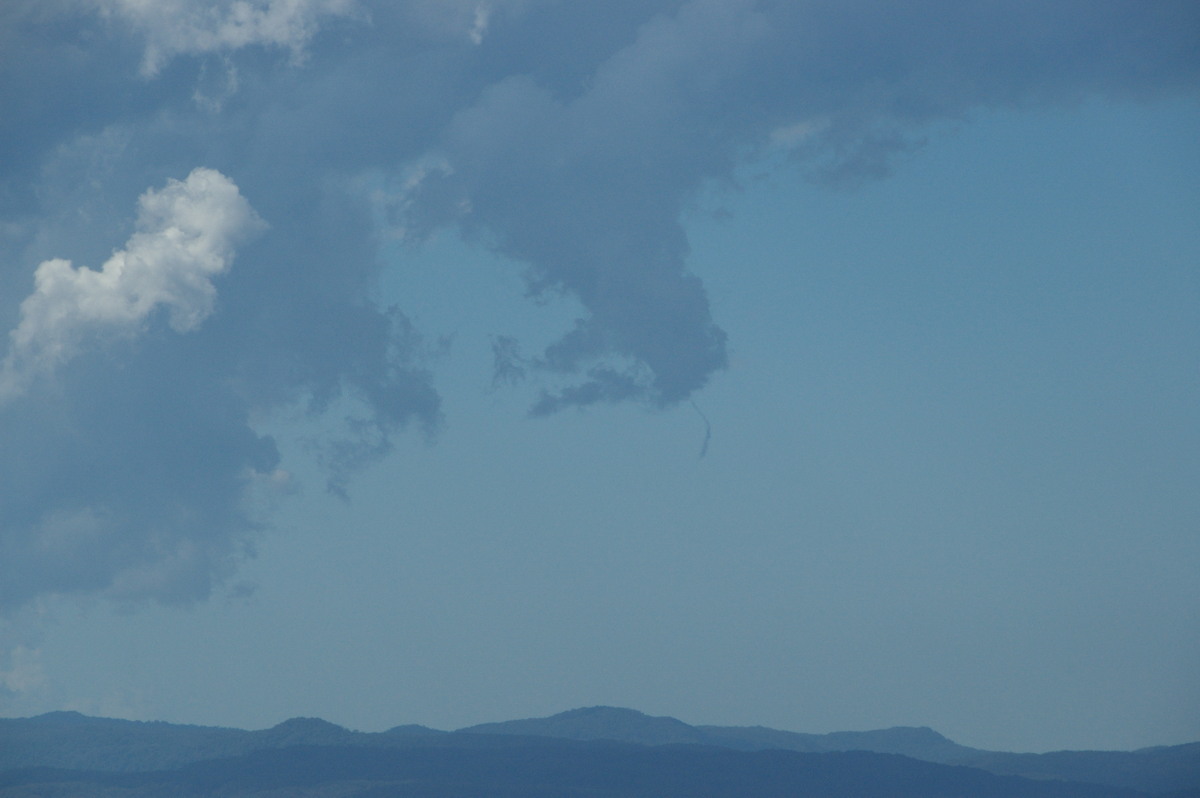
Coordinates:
917	742
68	741
631	726
73	741
603	723
1156	770
1151	770
486	766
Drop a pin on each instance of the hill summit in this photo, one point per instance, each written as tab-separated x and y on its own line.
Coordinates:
601	723
70	741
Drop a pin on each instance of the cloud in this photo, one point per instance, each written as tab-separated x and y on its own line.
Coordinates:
186	237
137	473
180	27
24	673
572	138
479	24
469	20
589	191
130	479
587	183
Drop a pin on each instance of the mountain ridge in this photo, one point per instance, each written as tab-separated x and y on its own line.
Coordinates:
546	768
74	742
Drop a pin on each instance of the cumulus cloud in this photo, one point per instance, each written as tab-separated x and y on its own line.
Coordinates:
136	472
186	237
569	137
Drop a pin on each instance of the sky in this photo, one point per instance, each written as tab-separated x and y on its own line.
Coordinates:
817	365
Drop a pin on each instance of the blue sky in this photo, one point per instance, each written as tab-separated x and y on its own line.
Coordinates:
919	282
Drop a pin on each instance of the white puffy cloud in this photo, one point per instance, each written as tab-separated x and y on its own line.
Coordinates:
186	236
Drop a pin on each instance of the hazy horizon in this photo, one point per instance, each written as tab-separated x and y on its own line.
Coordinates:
552	716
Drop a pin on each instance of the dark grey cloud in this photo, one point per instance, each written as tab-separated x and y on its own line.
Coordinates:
569	137
587	185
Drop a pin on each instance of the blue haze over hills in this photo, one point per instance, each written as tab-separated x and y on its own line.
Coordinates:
67	748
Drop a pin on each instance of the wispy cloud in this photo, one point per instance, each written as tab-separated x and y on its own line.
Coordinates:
24	672
180	27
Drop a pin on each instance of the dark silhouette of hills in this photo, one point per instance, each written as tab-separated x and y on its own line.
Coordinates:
1157	769
73	741
492	767
628	725
602	723
64	754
